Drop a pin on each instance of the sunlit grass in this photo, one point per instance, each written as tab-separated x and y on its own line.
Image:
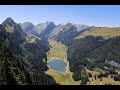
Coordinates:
104	32
8	29
105	80
63	79
57	50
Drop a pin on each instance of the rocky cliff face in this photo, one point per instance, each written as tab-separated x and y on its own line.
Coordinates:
116	64
44	29
50	30
29	27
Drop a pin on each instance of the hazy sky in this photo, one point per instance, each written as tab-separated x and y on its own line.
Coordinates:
98	15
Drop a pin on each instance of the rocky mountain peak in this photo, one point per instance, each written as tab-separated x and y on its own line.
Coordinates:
9	21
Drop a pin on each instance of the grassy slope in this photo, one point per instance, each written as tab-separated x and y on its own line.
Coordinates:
57	50
63	79
105	32
107	80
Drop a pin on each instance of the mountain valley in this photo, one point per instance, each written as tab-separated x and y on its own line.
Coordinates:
92	54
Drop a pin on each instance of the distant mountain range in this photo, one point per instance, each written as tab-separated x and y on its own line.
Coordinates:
49	29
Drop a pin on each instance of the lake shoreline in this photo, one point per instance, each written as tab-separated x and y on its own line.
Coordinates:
67	67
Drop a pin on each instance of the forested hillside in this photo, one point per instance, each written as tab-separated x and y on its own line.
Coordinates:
22	56
98	49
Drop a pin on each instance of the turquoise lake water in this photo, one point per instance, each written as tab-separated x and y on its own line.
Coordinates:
58	65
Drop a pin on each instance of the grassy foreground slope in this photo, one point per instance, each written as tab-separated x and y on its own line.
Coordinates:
104	32
57	50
